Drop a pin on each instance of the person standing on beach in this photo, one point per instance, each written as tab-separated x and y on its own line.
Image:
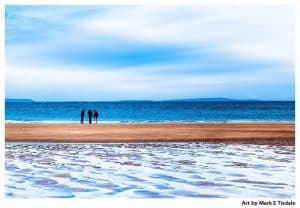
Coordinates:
96	114
82	115
90	114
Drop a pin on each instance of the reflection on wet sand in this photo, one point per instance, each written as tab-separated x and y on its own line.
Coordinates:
151	170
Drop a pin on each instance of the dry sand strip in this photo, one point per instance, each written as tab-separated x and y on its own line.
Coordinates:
256	133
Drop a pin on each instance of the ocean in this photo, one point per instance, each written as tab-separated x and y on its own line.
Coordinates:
122	112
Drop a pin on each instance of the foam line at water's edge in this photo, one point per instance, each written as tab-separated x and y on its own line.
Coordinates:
175	121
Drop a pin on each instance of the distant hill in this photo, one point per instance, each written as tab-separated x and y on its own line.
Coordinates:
217	99
13	100
134	101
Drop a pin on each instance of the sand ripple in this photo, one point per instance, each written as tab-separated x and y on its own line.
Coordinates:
151	170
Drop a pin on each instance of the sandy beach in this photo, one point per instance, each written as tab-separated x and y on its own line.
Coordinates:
256	133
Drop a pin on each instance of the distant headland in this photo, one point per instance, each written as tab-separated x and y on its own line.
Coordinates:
14	100
216	99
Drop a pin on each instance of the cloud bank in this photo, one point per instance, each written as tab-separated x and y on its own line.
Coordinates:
149	52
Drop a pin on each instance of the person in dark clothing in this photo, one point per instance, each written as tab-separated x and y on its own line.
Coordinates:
96	114
82	115
90	114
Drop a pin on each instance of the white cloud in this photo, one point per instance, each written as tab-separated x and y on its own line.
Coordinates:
90	84
248	32
244	33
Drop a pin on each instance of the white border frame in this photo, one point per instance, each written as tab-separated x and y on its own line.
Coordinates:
125	202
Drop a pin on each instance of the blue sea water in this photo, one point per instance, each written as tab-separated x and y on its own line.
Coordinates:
152	111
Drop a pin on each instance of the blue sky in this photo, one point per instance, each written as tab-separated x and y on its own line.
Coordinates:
73	53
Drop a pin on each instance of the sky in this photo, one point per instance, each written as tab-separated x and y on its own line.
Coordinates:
107	53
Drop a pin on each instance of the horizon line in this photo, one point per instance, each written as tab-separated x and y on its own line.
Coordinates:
212	99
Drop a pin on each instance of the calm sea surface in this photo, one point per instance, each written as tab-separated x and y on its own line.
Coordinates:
149	170
152	111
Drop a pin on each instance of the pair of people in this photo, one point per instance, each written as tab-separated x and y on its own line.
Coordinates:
91	114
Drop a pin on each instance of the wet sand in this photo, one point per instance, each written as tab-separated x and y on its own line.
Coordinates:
256	133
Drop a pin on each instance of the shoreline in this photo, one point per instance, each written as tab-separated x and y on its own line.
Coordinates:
148	122
274	133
